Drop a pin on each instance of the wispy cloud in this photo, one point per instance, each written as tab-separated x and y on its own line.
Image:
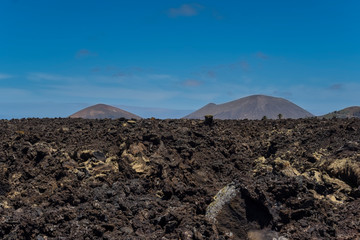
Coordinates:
104	92
212	71
160	76
282	93
320	100
13	94
262	55
191	83
95	69
5	76
51	77
337	86
119	75
217	15
245	66
115	86
211	74
82	53
185	10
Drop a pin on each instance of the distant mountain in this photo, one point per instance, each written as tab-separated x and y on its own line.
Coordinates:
252	107
101	111
160	113
349	112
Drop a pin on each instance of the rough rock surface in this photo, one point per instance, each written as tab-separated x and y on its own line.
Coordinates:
179	179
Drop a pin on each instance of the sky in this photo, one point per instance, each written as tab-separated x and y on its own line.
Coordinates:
166	58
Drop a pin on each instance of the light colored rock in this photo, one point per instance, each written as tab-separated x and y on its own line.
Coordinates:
136	157
225	195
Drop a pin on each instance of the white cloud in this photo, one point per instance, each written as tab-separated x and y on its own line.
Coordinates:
191	83
82	53
51	77
91	91
160	76
185	10
5	76
321	100
13	94
262	55
336	86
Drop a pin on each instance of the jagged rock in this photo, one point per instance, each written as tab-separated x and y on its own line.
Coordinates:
157	179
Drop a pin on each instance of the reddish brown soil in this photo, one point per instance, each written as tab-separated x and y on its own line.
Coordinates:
156	179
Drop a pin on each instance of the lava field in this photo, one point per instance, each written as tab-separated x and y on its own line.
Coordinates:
179	179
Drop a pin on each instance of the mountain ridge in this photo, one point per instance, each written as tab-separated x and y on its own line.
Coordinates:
349	112
252	107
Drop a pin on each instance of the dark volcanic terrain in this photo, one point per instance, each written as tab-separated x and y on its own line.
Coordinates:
180	179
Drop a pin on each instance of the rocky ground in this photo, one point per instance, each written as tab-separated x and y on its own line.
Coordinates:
179	179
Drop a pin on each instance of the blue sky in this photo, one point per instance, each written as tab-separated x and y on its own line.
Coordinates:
174	56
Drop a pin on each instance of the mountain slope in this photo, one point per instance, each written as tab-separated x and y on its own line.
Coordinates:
100	111
344	113
252	107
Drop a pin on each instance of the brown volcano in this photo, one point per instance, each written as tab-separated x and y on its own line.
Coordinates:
101	111
252	107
